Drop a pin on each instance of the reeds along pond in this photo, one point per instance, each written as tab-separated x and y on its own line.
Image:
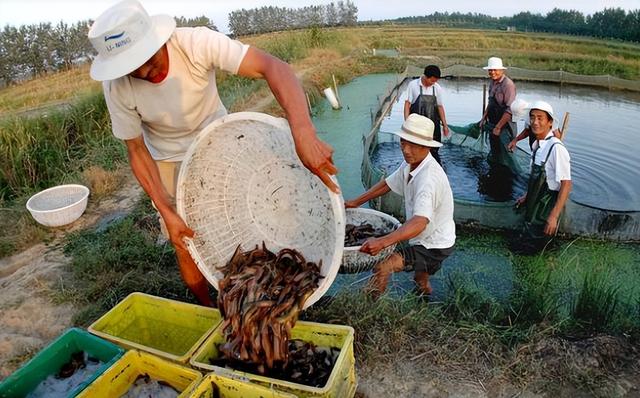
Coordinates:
43	150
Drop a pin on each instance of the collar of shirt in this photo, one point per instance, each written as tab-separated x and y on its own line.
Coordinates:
549	135
433	85
411	174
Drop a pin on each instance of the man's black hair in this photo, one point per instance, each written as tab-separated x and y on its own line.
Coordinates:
432	71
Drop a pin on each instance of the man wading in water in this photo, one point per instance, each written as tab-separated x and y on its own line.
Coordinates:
549	182
159	83
425	97
497	119
429	228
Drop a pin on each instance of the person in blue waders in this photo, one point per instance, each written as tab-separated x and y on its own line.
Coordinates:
425	97
549	182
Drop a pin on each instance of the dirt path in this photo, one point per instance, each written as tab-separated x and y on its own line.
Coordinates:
29	316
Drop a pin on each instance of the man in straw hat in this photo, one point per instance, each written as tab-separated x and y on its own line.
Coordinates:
549	181
497	118
159	83
429	225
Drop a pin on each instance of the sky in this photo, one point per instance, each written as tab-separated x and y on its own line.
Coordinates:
25	12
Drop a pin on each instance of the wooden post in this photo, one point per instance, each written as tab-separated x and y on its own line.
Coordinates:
565	125
484	98
308	103
335	88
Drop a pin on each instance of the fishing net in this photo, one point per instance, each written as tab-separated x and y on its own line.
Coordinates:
470	130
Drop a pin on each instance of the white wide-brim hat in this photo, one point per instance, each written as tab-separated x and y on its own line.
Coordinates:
543	106
519	108
494	63
419	130
126	37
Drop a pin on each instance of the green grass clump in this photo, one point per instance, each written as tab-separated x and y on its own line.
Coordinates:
123	258
292	46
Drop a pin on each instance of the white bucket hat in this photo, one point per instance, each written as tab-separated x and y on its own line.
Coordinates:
125	37
542	106
494	63
519	108
419	130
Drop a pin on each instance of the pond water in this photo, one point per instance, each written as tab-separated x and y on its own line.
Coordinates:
344	128
594	165
600	138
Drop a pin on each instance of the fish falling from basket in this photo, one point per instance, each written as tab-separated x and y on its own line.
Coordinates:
260	298
361	225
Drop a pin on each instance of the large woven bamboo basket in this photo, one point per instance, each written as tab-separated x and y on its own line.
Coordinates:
241	183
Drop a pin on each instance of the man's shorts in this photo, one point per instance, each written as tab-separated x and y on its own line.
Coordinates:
169	177
419	258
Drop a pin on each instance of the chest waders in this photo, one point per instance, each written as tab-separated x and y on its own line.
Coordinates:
540	199
499	155
427	105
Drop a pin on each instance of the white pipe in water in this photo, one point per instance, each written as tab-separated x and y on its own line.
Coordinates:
331	97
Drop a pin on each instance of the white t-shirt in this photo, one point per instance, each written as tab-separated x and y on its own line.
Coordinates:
413	91
171	113
558	167
427	194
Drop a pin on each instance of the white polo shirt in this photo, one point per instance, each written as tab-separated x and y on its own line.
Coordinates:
427	194
558	167
413	91
171	113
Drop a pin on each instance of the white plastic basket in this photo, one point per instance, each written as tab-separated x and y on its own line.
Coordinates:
241	182
59	205
353	260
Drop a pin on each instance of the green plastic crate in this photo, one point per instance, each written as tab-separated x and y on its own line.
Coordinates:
49	360
167	328
342	382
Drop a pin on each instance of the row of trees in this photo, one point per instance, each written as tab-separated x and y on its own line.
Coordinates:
271	19
32	50
613	23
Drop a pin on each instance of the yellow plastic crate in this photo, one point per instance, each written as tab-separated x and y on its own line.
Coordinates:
342	381
117	380
228	387
166	328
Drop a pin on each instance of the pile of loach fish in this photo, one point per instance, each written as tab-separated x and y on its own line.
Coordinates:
260	297
307	364
356	235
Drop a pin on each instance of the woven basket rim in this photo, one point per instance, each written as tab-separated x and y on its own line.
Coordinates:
369	211
36	196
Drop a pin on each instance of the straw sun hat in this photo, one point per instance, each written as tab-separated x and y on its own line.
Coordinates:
419	130
125	37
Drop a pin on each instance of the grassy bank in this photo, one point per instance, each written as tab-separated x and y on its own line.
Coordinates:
53	89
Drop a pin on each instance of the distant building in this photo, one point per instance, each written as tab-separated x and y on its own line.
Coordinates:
511	28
